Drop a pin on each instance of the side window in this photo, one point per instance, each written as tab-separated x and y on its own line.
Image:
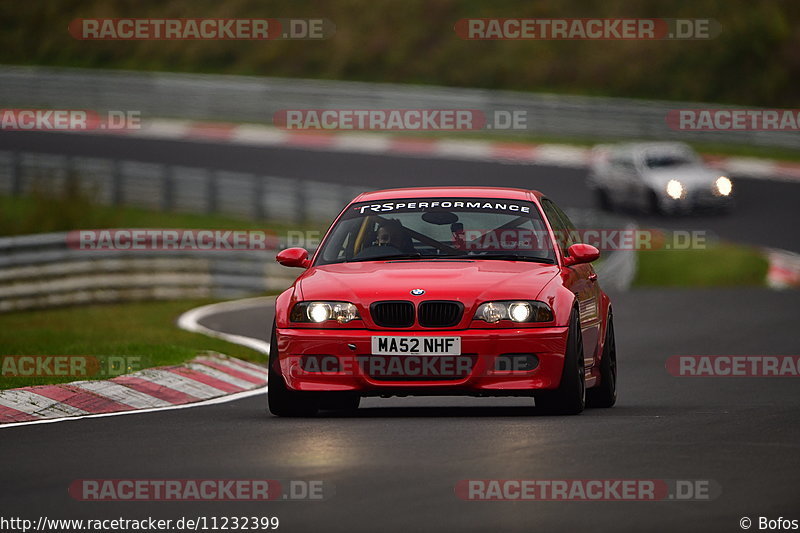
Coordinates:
559	228
623	162
574	236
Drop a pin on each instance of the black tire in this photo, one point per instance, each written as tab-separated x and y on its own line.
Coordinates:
605	394
282	400
570	396
339	401
603	200
654	204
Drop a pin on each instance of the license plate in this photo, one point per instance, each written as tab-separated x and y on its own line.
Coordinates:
416	345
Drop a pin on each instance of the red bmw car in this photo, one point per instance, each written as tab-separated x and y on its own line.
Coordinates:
444	291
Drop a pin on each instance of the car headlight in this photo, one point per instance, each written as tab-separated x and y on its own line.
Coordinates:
517	311
723	185
318	312
675	189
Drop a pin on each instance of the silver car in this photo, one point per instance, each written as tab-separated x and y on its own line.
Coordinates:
658	177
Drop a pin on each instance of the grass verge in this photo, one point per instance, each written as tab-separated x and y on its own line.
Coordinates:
719	265
144	331
42	213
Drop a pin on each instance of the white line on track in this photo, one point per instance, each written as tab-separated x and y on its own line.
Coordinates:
190	321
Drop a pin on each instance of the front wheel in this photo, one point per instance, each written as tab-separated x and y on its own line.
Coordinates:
605	394
570	396
282	400
654	204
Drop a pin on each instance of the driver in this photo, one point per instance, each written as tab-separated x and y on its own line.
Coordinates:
391	237
392	233
384	237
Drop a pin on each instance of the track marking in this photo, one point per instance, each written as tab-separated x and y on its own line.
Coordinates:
121	394
189	322
180	383
37	405
213	401
219	375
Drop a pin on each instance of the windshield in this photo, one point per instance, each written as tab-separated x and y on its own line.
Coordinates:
439	228
668	160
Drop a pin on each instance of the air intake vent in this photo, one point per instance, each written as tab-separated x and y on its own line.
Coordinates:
434	314
393	314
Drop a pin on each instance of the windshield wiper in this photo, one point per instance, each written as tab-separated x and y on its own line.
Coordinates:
390	257
507	257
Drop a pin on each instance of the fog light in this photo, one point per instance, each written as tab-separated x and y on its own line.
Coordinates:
516	362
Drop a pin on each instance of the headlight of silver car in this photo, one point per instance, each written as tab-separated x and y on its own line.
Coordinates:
522	311
318	312
675	189
723	185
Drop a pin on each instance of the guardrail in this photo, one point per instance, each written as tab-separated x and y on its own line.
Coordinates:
176	188
257	99
38	271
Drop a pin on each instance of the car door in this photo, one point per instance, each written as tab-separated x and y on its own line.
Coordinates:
580	279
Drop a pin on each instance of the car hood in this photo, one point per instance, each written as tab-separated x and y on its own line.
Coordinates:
691	176
467	281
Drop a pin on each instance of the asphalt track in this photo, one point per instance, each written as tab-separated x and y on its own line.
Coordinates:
395	463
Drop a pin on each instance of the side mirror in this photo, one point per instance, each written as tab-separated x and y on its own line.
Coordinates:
293	257
581	253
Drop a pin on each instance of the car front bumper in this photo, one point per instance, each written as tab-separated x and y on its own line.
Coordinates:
342	361
696	199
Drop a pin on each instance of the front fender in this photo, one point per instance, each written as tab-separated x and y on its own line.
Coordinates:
283	303
560	299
